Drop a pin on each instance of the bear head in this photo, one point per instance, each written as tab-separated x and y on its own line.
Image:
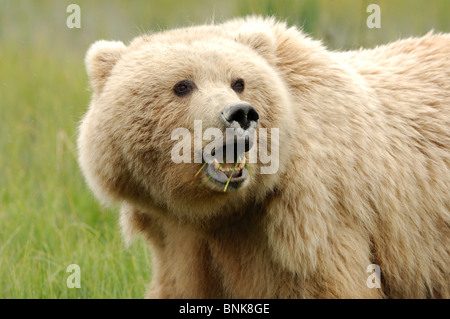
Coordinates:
161	102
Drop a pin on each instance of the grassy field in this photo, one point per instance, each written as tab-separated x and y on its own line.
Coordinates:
48	217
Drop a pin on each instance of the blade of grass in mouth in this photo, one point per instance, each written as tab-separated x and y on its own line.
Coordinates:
208	178
231	175
200	169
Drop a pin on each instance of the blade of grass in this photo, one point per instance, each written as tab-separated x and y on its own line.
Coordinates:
231	175
208	178
200	169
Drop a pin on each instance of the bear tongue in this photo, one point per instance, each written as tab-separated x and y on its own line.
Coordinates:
235	174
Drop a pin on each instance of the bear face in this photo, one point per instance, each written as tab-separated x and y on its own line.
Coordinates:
143	93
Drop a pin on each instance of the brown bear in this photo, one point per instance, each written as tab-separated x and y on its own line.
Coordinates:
357	204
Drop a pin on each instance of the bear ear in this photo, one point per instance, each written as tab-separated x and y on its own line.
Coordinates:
100	59
259	36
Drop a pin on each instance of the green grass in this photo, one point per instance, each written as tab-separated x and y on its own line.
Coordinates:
48	217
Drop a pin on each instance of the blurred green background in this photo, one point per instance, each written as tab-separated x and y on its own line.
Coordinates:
48	217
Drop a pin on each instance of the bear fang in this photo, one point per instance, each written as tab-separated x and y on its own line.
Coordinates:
196	309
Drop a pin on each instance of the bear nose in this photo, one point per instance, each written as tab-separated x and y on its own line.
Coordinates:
242	114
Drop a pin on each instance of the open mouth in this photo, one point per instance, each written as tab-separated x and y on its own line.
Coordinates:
227	175
232	171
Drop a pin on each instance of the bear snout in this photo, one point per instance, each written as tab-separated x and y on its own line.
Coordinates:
240	115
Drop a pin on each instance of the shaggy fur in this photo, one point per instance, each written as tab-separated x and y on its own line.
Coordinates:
363	178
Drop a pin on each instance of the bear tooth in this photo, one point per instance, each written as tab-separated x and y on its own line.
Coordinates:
216	164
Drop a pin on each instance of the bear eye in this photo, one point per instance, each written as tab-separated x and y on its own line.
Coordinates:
238	86
183	88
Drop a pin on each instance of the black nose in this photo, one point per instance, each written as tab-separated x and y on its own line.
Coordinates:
242	113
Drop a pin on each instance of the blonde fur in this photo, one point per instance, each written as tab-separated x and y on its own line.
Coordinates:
364	173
